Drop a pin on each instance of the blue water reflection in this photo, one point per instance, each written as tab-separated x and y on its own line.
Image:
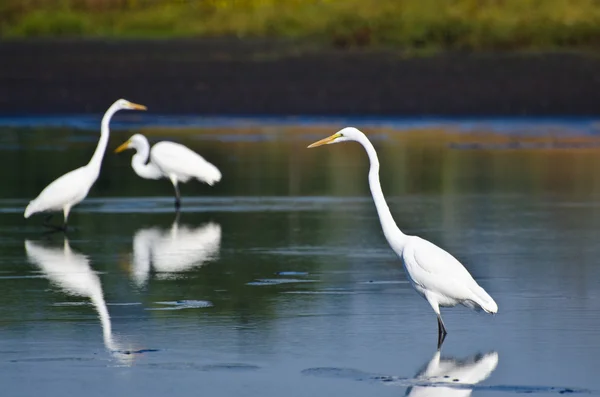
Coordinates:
278	281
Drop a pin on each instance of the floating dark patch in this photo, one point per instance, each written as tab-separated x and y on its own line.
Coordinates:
182	304
361	376
49	359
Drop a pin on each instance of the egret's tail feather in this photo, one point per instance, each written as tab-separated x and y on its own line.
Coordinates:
486	302
30	210
210	175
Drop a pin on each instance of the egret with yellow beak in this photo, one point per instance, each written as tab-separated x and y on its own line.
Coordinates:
71	188
435	274
169	160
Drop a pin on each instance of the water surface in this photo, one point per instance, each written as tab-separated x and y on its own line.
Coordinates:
278	281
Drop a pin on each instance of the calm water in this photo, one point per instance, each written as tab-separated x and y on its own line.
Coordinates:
278	281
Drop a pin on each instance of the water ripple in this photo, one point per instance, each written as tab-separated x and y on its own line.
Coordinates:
361	376
182	304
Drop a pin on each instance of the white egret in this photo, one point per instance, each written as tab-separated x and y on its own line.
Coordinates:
434	273
71	188
169	160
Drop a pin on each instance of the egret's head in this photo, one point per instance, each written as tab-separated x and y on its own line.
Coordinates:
343	135
125	104
136	141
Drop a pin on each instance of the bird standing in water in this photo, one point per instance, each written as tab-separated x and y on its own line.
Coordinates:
435	274
71	188
169	160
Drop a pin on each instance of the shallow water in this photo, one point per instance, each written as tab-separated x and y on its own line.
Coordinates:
278	281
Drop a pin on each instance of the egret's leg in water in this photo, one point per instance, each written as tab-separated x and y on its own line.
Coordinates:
441	331
177	195
177	198
47	219
66	211
54	228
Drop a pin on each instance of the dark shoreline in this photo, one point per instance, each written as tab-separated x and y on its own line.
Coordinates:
227	76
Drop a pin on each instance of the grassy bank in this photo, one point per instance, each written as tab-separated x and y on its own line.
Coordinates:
407	24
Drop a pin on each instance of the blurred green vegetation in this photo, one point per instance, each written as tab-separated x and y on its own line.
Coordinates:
408	24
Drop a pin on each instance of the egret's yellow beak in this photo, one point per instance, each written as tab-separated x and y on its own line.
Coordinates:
135	106
124	146
325	141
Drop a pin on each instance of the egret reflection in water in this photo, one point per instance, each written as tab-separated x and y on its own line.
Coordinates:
72	273
452	371
172	251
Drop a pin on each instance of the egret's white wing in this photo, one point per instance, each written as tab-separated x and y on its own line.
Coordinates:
436	261
437	271
175	159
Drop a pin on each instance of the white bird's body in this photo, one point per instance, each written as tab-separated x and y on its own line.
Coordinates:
169	160
177	161
71	188
64	193
442	279
435	274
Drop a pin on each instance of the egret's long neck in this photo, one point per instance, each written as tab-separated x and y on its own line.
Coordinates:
138	162
96	161
391	231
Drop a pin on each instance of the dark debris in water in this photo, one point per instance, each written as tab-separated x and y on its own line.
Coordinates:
277	281
182	304
140	351
230	367
361	376
342	373
534	389
49	359
235	367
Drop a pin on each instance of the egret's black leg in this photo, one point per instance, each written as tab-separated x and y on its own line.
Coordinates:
47	221
177	198
54	228
441	331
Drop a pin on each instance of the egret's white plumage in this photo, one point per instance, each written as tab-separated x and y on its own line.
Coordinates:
169	160
434	273
71	188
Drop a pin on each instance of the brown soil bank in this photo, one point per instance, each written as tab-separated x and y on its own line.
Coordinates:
267	78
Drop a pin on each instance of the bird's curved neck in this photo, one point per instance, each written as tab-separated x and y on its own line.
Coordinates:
138	163
392	233
96	161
